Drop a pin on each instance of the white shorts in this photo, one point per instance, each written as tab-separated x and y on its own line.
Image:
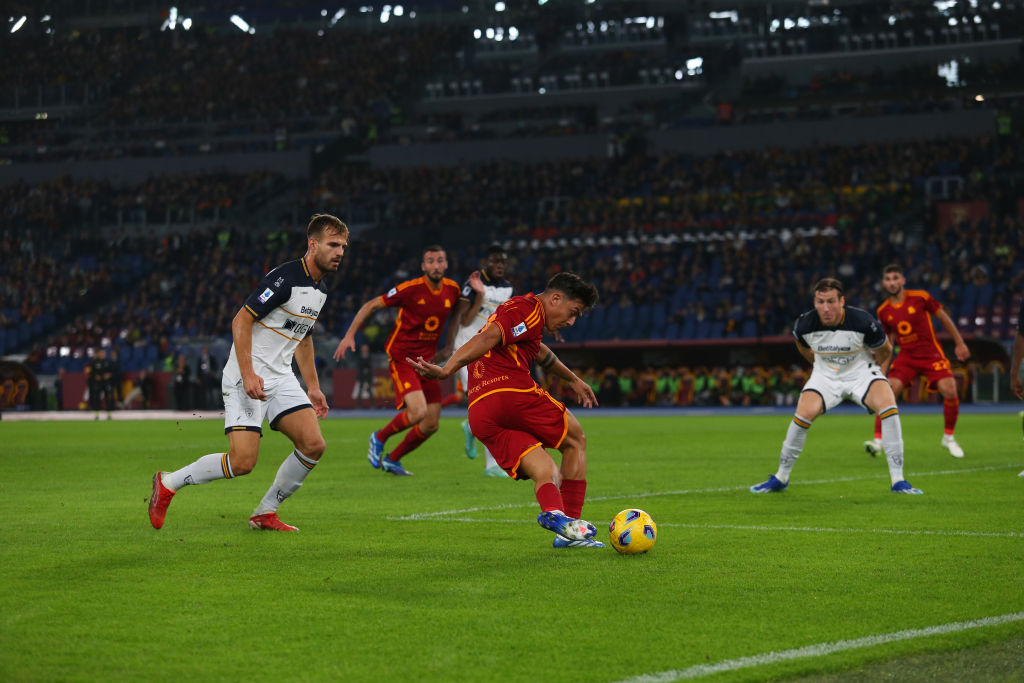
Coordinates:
242	413
461	337
834	390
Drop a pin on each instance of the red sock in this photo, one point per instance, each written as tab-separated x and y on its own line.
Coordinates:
411	442
399	423
549	498
574	491
951	411
878	427
450	399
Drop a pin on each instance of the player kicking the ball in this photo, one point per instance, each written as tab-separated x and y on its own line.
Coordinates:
835	339
273	326
906	317
515	418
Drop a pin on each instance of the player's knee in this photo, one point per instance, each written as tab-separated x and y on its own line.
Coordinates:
428	427
313	447
416	414
242	463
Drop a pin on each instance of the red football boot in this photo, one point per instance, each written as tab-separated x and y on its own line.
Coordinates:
159	501
270	522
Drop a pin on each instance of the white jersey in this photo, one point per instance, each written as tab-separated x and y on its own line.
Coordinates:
286	305
496	292
845	349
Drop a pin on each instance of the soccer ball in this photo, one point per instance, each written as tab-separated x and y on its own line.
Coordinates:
632	532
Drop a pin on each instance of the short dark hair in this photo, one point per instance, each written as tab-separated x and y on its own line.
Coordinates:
430	248
574	287
494	249
320	223
827	284
892	268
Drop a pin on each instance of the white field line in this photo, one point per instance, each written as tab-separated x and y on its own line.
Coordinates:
820	650
685	492
746	527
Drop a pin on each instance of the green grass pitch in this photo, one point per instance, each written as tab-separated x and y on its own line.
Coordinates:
445	576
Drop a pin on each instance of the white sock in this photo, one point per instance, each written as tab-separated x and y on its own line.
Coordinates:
290	475
796	435
489	459
204	470
892	441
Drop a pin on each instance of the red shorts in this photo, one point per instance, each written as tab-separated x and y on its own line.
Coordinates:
406	380
907	368
512	423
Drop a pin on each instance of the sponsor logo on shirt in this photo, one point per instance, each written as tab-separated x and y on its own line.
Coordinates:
279	282
265	296
519	329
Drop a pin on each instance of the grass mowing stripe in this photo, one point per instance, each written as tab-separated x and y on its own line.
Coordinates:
686	492
821	649
750	527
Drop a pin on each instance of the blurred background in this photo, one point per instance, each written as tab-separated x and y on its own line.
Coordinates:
703	163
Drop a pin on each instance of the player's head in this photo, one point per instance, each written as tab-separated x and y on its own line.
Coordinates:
496	261
829	300
566	298
326	239
435	262
893	279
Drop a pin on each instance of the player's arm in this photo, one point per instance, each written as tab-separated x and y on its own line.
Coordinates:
473	307
806	352
547	360
241	334
306	360
882	354
484	340
348	342
1018	355
961	350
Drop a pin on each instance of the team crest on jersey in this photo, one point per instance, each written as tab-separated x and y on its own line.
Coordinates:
265	296
519	329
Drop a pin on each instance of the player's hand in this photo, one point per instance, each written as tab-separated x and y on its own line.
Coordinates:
476	283
1016	386
442	355
426	369
962	352
584	394
346	344
319	401
253	386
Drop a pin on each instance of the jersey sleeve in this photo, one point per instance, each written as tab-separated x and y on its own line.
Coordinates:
874	335
397	295
930	303
467	293
515	322
800	328
271	292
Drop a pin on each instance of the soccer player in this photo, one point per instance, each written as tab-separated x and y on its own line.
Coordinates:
484	291
424	305
1016	384
906	318
515	418
846	346
273	326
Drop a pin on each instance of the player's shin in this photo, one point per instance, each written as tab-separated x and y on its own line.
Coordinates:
950	413
892	441
411	442
549	497
204	470
290	475
574	492
796	436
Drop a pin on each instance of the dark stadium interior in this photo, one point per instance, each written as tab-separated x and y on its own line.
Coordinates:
703	163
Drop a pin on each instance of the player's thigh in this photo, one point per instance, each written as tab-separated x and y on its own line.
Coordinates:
303	429
879	396
244	449
415	406
947	387
538	465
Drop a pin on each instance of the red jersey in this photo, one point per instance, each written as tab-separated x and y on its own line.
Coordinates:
421	318
910	323
506	367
